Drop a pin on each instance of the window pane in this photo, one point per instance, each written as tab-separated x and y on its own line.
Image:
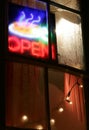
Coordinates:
69	38
25	96
28	28
66	97
74	4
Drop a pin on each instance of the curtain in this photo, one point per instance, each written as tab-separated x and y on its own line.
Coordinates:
77	108
24	95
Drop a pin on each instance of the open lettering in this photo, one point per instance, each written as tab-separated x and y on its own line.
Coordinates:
28	47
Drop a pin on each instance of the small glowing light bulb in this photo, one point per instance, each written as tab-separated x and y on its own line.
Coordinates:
60	109
67	98
24	118
39	127
52	121
70	102
81	86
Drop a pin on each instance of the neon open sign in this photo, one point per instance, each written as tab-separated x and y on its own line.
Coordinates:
24	46
28	32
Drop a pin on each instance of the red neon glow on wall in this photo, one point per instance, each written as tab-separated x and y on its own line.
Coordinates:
33	48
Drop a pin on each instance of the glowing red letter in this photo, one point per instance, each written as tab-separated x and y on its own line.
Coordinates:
14	44
36	49
45	51
25	46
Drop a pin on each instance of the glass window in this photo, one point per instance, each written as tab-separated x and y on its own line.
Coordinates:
74	4
25	96
66	98
28	28
69	38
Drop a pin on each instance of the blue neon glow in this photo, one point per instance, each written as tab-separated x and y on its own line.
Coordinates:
28	23
27	20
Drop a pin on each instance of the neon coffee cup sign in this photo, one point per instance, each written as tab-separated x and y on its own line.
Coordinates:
28	32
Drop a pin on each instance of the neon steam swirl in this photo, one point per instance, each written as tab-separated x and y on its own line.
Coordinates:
22	18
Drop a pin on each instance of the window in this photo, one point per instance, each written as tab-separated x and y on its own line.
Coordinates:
25	96
26	101
56	35
69	38
28	29
66	97
37	95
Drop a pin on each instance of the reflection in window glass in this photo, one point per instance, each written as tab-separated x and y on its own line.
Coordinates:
74	4
69	38
25	96
66	98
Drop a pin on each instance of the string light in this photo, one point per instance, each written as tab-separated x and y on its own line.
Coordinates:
52	121
67	99
39	127
61	109
81	85
70	102
24	118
